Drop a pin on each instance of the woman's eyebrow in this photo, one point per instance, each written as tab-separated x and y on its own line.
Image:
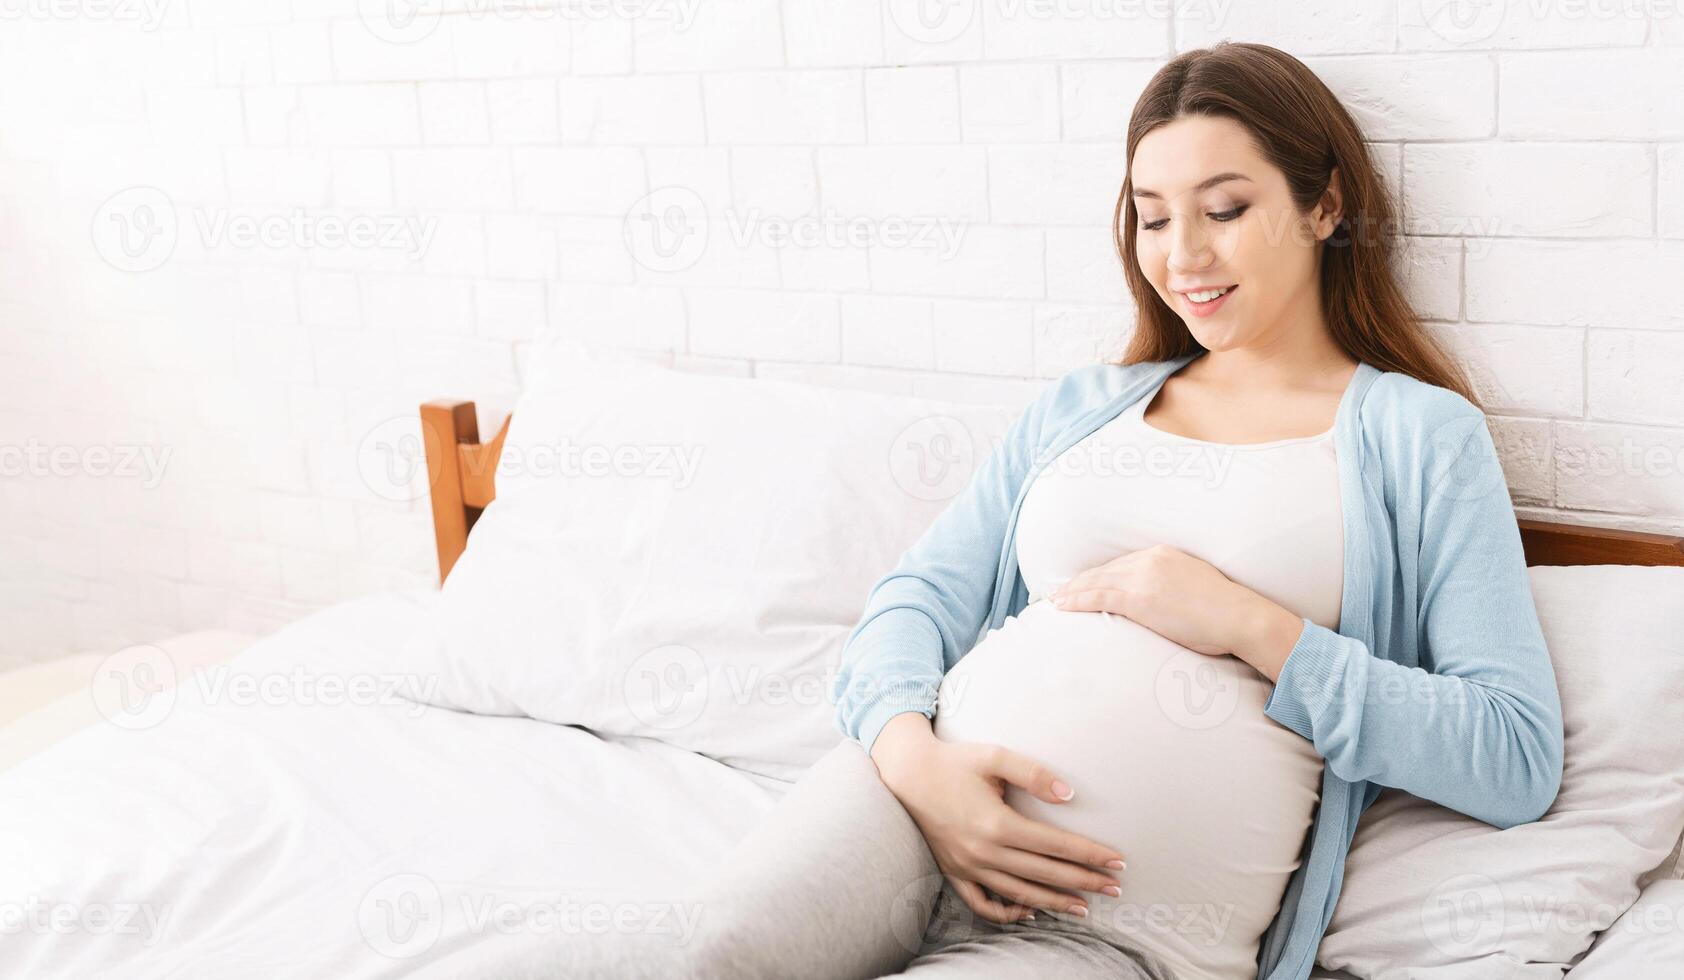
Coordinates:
1205	184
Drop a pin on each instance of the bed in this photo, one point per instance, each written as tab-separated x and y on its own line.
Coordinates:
286	836
320	821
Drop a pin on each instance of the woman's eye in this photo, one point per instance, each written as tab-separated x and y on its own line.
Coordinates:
1228	215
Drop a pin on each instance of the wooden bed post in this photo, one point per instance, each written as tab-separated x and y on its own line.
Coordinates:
1572	544
461	473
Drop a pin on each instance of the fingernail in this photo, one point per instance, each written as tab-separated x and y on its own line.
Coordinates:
1061	790
1113	891
1058	600
1081	910
1116	865
1029	916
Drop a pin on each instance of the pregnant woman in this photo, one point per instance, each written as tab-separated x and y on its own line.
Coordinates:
1118	711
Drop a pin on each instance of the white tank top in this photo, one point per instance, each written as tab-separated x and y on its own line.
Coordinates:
1169	752
1266	514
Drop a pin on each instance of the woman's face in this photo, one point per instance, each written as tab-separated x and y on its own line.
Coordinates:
1214	213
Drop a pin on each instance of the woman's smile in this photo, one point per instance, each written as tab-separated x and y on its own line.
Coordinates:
1209	305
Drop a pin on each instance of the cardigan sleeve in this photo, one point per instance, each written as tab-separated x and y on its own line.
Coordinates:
1478	726
928	611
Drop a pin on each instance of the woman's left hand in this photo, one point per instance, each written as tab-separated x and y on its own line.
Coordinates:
1182	598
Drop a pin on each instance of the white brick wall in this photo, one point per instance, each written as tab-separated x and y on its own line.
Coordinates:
895	195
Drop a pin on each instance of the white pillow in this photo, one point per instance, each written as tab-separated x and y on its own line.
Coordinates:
1645	943
1431	894
691	571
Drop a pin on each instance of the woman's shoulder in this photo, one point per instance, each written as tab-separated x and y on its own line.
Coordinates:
1428	434
1403	406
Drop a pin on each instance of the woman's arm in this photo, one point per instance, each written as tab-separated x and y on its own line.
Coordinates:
1478	726
919	620
928	611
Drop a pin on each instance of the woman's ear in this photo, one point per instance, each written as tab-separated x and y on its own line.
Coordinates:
1330	208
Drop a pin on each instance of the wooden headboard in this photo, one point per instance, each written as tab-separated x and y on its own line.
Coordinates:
460	470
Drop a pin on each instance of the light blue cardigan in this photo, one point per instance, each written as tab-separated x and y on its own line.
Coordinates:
1437	681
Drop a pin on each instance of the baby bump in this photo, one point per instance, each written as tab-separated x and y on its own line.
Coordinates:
1173	763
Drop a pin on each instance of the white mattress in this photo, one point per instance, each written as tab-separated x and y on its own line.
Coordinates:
298	838
294	838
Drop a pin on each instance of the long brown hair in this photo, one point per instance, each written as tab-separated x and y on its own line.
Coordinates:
1301	128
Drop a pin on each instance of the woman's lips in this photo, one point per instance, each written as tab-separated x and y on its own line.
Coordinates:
1206	309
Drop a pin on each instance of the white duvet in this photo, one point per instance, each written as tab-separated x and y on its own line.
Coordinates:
287	816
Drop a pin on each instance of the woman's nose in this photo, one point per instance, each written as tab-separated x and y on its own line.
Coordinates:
1189	250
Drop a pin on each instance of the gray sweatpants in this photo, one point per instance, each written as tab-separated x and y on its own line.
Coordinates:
835	883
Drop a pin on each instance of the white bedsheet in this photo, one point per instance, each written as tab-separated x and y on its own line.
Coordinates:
297	835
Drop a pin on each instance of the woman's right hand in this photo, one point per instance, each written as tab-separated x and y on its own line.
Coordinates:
955	792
